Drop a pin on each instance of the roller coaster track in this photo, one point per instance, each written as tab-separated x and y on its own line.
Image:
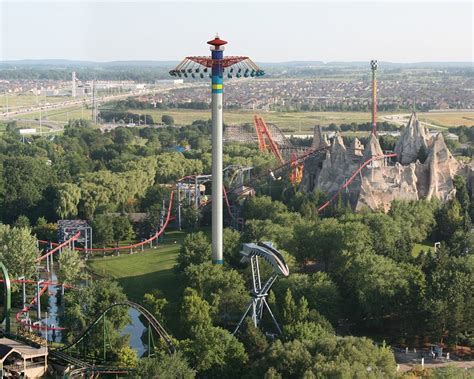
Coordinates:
60	246
79	372
154	323
152	238
353	176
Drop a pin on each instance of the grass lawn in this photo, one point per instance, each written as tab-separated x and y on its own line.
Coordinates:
419	247
146	270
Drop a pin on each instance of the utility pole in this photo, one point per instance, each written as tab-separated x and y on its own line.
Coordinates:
94	109
73	88
373	65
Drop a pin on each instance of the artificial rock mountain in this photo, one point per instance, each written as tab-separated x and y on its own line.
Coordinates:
379	182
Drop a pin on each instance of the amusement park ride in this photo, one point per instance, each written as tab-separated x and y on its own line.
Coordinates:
218	65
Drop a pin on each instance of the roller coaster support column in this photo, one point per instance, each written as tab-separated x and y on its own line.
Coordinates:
217	54
105	344
38	289
179	207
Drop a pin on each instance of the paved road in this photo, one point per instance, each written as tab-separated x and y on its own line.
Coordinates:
402	119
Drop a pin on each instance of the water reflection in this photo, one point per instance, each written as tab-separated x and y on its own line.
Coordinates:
136	330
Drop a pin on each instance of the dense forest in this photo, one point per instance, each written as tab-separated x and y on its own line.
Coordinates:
352	274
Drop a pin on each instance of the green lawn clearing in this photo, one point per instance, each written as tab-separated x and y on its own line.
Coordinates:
146	270
419	247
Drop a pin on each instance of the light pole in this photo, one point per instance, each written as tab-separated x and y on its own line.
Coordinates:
232	66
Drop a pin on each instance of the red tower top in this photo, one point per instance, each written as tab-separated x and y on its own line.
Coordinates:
217	42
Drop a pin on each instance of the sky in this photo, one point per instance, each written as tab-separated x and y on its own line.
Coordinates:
264	30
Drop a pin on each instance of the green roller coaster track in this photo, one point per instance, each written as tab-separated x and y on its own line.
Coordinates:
152	322
7	298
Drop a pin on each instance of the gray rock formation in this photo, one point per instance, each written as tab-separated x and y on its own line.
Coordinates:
379	183
336	168
356	148
413	138
319	139
372	150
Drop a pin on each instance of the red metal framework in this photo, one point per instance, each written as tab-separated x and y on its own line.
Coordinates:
262	131
297	168
208	61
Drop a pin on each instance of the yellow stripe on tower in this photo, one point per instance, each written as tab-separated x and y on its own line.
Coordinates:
217	86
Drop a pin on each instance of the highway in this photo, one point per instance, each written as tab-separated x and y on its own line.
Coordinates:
13	115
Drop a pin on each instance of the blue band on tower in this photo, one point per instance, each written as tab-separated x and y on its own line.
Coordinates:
217	82
218	262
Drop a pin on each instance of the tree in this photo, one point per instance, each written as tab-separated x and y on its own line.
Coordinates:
22	222
122	228
290	359
263	208
450	307
322	240
18	252
462	192
71	267
353	357
123	136
253	338
195	249
45	230
216	353
167	119
93	195
25	189
319	289
223	289
155	305
379	287
195	312
450	219
231	247
267	230
126	357
68	197
289	308
166	366
103	229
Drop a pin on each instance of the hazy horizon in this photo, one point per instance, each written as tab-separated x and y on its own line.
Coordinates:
105	31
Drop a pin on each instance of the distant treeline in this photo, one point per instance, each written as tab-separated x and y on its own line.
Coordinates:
344	107
133	103
125	117
366	126
138	74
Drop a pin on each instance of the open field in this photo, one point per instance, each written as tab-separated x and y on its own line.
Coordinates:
287	121
292	122
143	271
448	119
